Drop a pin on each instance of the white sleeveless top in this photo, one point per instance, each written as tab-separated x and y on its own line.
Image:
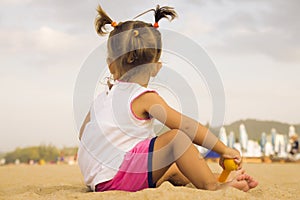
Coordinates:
112	131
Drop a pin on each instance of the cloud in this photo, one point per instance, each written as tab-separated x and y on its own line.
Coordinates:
14	2
44	39
269	28
43	47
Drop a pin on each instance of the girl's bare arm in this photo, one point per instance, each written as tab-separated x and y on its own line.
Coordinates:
153	104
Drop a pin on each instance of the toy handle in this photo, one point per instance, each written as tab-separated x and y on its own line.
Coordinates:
224	175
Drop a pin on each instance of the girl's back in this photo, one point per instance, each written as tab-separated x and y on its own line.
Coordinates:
112	131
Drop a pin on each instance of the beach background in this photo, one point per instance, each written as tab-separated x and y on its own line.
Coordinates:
255	46
276	181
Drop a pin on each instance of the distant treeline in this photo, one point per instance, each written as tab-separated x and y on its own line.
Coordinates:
47	153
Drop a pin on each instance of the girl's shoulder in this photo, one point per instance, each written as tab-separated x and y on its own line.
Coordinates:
134	90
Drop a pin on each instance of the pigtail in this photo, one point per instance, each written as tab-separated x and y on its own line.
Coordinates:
161	12
101	20
164	12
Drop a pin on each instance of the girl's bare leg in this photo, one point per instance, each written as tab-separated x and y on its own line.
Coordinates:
176	147
174	176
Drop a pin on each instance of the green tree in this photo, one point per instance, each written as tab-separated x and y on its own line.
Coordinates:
47	153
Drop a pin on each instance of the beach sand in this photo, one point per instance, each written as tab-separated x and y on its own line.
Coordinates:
277	181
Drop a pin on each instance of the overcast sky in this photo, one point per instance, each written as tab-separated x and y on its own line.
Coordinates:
255	45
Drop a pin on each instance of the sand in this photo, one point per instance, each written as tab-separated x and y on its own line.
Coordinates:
277	181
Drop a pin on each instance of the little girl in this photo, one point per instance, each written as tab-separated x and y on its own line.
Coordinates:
118	146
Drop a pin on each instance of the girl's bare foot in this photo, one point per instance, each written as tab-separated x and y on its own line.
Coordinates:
240	183
251	182
243	181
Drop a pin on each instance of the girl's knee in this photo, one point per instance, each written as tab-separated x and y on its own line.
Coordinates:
181	139
172	142
176	134
177	140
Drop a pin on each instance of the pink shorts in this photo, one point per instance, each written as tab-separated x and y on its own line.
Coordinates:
135	172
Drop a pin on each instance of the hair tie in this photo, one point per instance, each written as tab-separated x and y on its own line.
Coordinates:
156	25
136	33
114	24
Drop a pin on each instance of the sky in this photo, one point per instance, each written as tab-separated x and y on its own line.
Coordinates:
254	44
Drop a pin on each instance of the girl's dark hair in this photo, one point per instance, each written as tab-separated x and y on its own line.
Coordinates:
133	43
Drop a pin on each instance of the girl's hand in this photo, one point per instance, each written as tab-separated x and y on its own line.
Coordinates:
231	154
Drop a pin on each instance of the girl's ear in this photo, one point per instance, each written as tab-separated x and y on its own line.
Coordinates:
156	69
